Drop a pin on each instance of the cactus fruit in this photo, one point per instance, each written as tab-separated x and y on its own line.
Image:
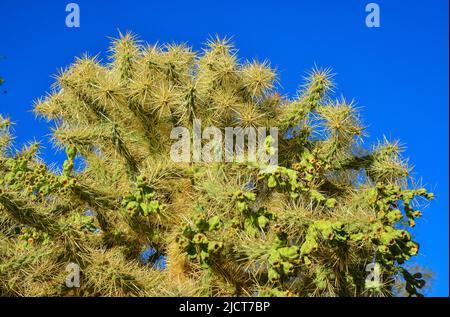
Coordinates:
195	242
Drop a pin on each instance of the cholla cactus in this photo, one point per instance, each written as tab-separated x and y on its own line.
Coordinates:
309	227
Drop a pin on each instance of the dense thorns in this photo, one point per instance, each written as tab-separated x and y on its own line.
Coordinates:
309	228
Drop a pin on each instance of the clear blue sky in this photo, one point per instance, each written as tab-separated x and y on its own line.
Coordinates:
397	73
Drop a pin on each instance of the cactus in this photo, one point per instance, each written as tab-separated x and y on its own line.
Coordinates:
306	228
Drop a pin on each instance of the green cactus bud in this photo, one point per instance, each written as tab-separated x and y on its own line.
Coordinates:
263	221
273	275
132	205
307	261
214	223
288	268
184	243
387	239
274	256
310	245
421	191
239	195
403	234
150	195
249	226
71	151
357	236
413	247
214	246
330	203
275	292
271	181
187	231
338	226
201	223
250	196
430	196
154	206
326	229
199	238
138	196
394	215
378	229
315	195
277	265
293	195
67	167
235	222
241	206
144	208
290	253
141	179
204	259
308	177
321	284
383	249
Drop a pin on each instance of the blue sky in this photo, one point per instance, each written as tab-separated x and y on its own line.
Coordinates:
398	73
